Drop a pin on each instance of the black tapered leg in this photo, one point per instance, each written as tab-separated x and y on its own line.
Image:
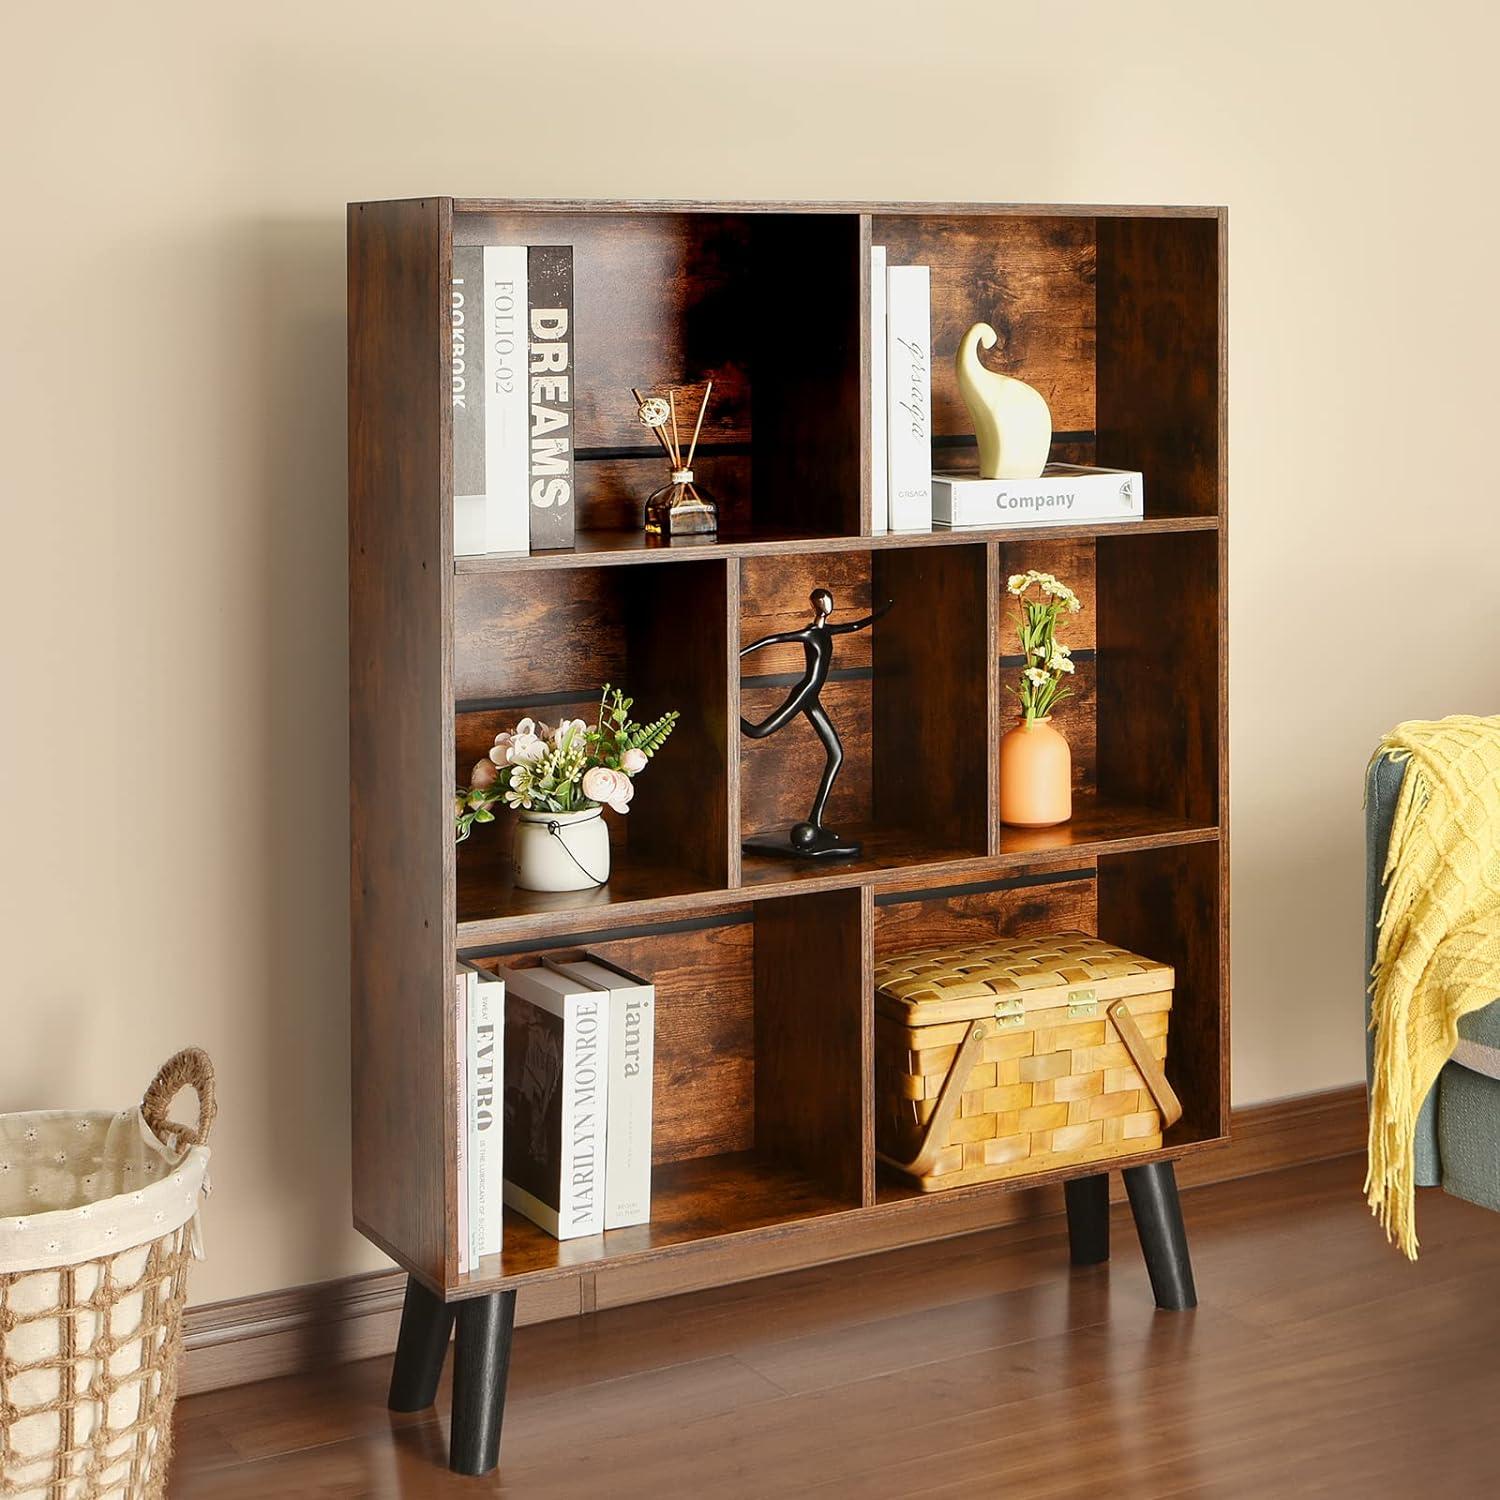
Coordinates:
1088	1219
481	1364
1158	1220
421	1347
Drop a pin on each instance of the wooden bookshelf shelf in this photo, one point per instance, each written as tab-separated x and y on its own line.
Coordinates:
616	548
764	1122
691	1202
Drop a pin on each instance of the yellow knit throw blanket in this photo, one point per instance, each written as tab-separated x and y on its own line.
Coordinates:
1437	956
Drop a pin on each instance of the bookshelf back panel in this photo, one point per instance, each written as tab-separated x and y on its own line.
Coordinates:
658	299
678	299
1169	905
544	644
1031	279
1076	717
703	1094
1056	902
778	775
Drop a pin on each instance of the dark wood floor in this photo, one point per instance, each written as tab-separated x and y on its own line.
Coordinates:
1319	1363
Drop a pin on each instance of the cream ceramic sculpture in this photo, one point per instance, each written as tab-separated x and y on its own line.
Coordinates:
1011	419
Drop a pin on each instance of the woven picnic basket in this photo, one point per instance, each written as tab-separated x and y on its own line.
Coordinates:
1018	1055
98	1221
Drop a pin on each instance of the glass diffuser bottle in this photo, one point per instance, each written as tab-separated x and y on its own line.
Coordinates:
680	507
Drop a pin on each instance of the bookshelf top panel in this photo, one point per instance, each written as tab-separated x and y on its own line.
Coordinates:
784	206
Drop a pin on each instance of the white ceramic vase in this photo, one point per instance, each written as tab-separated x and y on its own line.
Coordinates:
561	851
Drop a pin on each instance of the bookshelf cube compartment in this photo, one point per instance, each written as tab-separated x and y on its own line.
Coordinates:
759	1116
1143	719
906	696
1116	319
1162	903
544	644
765	305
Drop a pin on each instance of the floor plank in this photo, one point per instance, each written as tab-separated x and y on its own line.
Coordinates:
1319	1362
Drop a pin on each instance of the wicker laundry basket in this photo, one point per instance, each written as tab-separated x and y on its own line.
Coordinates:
1015	1056
98	1220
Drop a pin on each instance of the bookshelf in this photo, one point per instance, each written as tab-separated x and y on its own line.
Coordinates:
764	1129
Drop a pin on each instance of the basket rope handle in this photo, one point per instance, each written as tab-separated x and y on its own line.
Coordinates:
188	1069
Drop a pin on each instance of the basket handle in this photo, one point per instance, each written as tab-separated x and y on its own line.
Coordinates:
189	1068
935	1136
1146	1065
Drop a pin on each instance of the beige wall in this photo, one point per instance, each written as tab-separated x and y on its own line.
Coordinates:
172	302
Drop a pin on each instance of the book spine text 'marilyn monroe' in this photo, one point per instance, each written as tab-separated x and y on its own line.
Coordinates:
550	380
507	407
467	302
585	1105
632	1048
556	1100
909	410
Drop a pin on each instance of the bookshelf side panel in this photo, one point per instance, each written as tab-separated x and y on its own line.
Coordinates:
401	728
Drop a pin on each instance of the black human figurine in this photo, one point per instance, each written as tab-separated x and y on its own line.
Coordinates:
810	840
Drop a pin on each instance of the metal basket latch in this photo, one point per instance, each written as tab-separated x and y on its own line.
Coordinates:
1010	1013
1082	1004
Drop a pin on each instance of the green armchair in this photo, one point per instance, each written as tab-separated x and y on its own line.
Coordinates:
1458	1129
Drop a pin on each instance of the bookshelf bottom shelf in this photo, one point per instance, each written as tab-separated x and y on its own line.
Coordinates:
691	1201
697	1204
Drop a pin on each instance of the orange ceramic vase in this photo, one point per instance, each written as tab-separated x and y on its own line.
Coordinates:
1036	776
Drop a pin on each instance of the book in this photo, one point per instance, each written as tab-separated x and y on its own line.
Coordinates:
486	1020
880	500
909	397
632	1047
466	312
555	1100
549	296
1063	493
461	1111
507	415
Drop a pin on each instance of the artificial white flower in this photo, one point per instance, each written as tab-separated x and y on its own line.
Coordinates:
569	729
600	784
1037	676
632	761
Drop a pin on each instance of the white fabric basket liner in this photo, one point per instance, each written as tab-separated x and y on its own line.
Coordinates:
76	1185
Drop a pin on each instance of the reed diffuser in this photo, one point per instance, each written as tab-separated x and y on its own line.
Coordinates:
679	507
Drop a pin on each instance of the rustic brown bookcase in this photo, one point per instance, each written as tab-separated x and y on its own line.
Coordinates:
763	1102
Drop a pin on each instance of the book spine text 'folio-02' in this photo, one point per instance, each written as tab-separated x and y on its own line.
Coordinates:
507	415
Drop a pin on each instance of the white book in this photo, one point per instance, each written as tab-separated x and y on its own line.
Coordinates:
1063	493
461	1115
909	405
880	499
632	1046
507	401
485	1036
466	313
556	1100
